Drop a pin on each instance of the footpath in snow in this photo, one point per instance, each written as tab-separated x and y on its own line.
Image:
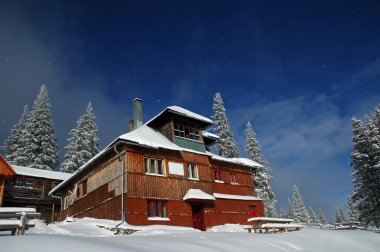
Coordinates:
84	235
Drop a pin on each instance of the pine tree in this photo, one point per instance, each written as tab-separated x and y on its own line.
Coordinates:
44	146
19	134
83	143
365	163
372	175
226	144
313	216
321	216
91	130
300	212
262	177
353	214
359	163
283	213
339	216
290	210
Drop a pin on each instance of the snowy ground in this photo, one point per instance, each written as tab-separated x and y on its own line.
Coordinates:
84	235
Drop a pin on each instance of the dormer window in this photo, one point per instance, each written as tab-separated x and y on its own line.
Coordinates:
186	131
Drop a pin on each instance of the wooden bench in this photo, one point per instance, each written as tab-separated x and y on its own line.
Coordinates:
272	225
280	227
16	219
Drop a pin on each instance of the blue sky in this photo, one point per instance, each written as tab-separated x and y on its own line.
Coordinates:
298	70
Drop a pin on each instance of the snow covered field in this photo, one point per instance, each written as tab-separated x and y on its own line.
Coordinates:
84	235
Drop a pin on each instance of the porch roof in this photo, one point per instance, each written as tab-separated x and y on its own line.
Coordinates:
197	194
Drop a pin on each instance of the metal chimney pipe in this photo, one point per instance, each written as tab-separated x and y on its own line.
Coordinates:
137	113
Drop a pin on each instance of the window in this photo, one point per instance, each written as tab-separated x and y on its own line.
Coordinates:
233	177
154	166
28	183
156	209
65	202
193	171
218	175
187	131
84	187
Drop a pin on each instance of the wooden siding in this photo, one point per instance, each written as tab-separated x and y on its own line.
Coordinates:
231	211
103	189
167	130
37	196
178	213
189	144
106	175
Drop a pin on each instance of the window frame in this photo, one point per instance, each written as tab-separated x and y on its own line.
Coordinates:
233	177
186	130
192	170
65	202
157	210
152	167
218	175
24	183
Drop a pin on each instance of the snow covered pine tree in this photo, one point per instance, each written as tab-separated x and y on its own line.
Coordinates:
365	163
44	146
263	177
300	212
19	137
226	144
83	143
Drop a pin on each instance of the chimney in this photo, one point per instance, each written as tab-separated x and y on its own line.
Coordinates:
137	112
131	126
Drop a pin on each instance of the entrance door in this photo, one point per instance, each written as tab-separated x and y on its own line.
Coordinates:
198	222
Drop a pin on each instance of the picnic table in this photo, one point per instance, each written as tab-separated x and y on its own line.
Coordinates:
272	224
17	219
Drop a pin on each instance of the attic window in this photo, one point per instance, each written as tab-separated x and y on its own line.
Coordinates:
186	131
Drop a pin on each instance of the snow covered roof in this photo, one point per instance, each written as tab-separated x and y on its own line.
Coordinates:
241	161
32	172
182	112
149	137
197	194
269	219
210	135
235	197
188	113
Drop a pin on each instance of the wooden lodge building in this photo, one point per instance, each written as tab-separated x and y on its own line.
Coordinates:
161	172
29	187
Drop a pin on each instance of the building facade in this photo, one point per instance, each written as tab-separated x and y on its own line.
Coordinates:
162	173
29	187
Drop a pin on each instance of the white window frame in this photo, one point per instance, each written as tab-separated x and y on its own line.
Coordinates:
193	175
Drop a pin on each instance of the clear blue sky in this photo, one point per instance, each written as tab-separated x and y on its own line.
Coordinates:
298	70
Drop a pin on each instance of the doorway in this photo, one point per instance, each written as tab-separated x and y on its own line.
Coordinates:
198	218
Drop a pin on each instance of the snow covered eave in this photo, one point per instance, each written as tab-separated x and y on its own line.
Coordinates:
238	161
38	173
197	195
234	197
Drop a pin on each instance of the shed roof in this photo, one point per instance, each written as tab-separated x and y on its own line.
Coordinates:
197	194
32	172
